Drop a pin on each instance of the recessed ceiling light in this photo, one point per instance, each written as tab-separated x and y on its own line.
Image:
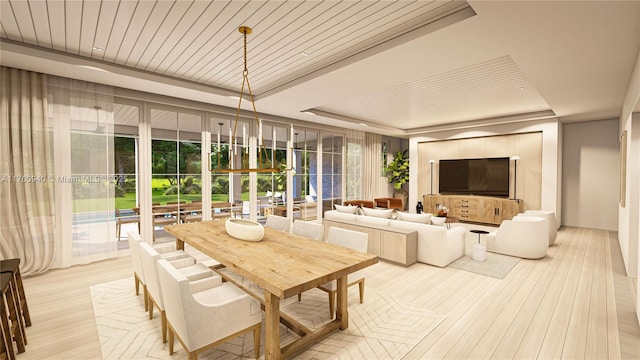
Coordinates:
304	53
97	48
363	124
521	87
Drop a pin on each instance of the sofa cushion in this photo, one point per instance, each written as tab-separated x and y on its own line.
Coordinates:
339	216
346	209
372	220
381	213
424	218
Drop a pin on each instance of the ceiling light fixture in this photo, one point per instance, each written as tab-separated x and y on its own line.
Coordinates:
97	48
264	162
303	53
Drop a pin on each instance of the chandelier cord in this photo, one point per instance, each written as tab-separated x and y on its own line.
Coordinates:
262	150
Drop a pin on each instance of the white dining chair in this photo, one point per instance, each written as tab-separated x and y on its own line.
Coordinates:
167	251
278	222
186	266
206	313
308	229
353	240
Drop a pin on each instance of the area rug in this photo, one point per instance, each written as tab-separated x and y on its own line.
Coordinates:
495	265
384	327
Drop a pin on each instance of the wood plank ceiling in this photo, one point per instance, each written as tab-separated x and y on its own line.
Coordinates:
398	67
199	41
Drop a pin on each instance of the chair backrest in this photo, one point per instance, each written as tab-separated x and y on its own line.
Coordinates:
278	222
134	240
525	237
348	238
148	258
174	285
550	216
311	230
393	203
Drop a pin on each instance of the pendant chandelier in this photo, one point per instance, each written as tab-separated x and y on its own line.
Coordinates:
264	163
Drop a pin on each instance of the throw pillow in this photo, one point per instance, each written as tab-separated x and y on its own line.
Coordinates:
381	213
417	218
346	209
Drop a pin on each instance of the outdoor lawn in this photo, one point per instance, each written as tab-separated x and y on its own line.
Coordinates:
128	201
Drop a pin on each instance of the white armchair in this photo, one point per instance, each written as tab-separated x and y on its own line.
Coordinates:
525	237
550	217
186	266
206	313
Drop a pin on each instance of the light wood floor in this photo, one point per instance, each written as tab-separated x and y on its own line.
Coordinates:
575	303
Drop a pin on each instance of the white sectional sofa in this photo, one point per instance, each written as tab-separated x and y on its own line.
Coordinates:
433	245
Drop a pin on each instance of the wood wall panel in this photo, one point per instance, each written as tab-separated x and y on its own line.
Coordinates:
526	145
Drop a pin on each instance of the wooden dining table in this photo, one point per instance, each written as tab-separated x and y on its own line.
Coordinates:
283	265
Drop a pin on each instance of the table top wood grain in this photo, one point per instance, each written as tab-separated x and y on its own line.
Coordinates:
283	264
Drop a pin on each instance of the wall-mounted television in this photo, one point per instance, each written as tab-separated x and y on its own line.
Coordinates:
486	176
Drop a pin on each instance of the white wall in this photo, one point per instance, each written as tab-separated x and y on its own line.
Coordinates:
591	175
628	232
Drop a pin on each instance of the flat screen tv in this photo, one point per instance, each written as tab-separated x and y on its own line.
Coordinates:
487	176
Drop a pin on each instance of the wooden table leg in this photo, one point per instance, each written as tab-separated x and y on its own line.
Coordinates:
341	307
272	326
179	244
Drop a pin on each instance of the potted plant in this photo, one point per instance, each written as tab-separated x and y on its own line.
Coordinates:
397	172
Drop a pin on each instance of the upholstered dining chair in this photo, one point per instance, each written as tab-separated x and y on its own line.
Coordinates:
186	266
129	219
353	240
308	229
278	222
167	250
206	313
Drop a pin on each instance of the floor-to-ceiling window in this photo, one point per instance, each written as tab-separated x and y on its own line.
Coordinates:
220	147
332	165
103	164
272	187
176	162
305	174
125	164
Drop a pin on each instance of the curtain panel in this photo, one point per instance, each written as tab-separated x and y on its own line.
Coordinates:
27	176
81	115
363	165
371	166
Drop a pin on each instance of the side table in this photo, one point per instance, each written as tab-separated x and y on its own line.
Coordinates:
479	252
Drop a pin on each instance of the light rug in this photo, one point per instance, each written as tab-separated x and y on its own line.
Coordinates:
384	327
495	265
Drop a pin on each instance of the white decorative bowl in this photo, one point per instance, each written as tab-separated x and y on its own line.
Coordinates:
436	220
242	229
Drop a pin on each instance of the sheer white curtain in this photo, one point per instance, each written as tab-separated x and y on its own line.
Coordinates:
363	170
26	184
353	172
82	117
371	166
